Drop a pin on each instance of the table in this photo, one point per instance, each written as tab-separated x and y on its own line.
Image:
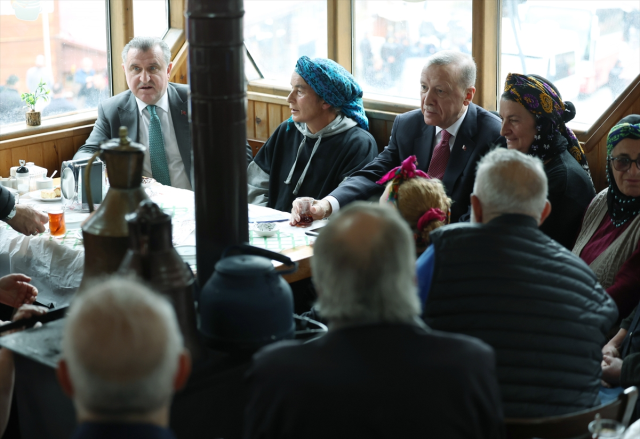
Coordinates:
56	264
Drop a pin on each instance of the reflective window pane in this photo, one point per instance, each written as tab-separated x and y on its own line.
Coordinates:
590	50
150	18
63	43
394	38
277	33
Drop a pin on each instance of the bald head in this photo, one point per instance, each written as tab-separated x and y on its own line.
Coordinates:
121	344
363	266
508	181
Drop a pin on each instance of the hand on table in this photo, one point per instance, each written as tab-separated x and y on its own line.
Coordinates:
611	370
319	209
16	290
28	221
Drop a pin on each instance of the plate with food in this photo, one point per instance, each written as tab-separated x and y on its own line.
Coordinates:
147	181
47	194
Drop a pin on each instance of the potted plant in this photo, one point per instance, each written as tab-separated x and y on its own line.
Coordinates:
33	116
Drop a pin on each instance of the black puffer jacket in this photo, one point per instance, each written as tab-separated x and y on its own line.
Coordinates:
540	307
6	202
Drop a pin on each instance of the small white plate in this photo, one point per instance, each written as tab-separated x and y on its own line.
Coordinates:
187	253
35	195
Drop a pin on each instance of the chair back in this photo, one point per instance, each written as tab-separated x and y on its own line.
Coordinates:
573	425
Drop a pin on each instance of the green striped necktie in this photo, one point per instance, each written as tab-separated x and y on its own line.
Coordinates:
159	167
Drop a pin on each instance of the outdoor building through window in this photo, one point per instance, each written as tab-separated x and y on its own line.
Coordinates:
61	42
277	33
150	18
590	50
394	38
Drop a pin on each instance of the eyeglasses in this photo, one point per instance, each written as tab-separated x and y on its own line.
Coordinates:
623	164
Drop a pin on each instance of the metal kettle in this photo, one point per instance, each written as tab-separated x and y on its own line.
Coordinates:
246	303
106	233
152	258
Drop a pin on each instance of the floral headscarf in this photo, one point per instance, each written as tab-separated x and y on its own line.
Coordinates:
621	207
551	113
334	85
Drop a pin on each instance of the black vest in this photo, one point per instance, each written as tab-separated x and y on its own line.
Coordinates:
540	307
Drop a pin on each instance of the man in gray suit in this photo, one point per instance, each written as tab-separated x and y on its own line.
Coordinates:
153	109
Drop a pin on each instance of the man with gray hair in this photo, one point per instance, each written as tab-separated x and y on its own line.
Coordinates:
502	280
448	135
123	357
379	371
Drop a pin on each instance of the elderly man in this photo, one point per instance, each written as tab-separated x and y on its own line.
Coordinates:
379	372
153	109
504	281
447	135
123	357
325	140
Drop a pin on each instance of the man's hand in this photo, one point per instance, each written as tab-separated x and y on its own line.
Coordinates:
611	370
319	209
28	221
15	290
611	350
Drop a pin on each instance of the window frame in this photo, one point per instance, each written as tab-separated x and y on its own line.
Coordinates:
120	31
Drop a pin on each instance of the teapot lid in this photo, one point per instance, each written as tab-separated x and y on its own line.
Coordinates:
123	143
244	265
22	169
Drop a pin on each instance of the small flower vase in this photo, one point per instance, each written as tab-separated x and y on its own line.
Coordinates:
33	118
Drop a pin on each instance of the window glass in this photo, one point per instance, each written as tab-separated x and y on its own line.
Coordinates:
63	43
590	50
394	38
277	33
150	18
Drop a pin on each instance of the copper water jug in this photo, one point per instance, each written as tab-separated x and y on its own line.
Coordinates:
105	233
152	258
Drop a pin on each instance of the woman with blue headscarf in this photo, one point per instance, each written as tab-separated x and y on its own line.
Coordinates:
609	239
324	141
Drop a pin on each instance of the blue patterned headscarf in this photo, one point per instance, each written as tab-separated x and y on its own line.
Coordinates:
335	85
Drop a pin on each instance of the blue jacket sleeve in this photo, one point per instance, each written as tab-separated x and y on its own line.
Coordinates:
424	272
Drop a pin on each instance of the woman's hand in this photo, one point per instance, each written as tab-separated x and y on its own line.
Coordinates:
15	290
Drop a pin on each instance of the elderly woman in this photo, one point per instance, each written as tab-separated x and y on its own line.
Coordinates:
420	199
534	122
609	240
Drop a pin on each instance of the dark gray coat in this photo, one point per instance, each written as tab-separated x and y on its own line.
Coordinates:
539	306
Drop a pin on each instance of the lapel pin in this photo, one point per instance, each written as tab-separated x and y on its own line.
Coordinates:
184	113
464	147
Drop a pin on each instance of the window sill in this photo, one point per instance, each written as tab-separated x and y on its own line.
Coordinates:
49	124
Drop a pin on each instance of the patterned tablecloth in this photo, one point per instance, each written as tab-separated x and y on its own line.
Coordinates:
56	264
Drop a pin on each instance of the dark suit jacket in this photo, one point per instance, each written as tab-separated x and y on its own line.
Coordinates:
122	110
375	381
411	136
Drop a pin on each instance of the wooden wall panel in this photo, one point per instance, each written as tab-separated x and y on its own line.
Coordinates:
262	121
35	154
275	116
378	129
17	154
50	159
251	120
286	112
5	162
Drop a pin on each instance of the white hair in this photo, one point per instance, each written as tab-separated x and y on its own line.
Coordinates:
147	43
122	345
508	181
365	276
465	65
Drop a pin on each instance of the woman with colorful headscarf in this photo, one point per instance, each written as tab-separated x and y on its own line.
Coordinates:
534	121
609	240
324	141
420	199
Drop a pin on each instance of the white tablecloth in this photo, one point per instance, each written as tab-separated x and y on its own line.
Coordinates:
56	264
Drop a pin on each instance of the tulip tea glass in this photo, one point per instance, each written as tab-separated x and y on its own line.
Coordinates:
57	226
305	210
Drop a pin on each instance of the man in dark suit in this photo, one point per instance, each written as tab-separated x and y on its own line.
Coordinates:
379	371
448	135
123	356
153	109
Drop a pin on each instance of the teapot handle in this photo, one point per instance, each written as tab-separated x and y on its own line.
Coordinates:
246	249
87	181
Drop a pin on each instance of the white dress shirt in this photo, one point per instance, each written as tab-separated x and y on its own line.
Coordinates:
453	130
177	173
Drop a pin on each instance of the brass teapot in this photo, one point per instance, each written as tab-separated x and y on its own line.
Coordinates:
106	233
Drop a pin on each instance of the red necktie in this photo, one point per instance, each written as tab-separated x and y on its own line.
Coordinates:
440	157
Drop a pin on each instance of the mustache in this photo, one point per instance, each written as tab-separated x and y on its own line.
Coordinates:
148	84
430	108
